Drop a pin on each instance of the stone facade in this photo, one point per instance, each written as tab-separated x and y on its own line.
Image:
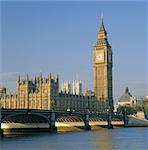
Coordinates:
43	93
37	94
66	87
103	68
74	87
2	91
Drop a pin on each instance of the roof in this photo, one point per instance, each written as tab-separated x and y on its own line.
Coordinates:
102	28
126	96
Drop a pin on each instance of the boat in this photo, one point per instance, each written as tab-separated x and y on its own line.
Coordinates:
138	120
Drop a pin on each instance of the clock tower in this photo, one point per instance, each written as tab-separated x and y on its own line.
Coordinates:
103	69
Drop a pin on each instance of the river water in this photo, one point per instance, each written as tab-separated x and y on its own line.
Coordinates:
100	139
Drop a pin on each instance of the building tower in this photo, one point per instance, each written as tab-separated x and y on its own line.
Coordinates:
103	68
66	87
41	93
77	87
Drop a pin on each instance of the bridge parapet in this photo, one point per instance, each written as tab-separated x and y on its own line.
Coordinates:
51	117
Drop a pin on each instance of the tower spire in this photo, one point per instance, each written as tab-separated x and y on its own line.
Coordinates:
102	23
35	81
102	28
101	16
102	34
18	78
103	63
27	77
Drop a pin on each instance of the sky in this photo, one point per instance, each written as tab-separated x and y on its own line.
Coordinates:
58	37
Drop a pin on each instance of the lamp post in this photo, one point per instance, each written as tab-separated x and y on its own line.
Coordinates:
109	118
1	131
125	118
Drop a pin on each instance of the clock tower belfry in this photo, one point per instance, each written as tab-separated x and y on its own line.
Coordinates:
103	69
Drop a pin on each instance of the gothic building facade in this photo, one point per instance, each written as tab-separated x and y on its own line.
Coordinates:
43	94
103	68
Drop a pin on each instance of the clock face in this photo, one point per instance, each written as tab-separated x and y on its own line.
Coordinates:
99	57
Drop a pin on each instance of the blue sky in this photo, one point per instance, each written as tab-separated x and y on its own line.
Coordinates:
58	37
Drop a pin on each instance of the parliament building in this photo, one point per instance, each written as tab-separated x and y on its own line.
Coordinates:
43	93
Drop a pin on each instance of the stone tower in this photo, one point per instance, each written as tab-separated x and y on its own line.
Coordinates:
103	69
41	93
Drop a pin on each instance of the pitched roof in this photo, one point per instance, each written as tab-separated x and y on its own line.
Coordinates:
126	96
102	28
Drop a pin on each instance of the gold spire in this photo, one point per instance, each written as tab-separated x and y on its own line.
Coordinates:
49	76
40	76
102	28
27	76
102	32
18	78
35	80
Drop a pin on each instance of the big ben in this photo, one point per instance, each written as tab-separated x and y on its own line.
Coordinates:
103	68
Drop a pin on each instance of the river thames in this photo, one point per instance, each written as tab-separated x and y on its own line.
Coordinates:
101	139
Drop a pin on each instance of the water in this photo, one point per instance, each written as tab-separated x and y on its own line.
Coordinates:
101	139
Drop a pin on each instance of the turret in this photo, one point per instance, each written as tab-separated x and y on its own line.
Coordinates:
35	80
49	76
57	78
126	90
27	77
102	34
40	78
102	28
18	80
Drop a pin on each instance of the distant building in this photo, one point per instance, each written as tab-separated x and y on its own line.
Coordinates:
145	106
89	93
139	104
127	99
66	87
77	87
74	87
145	97
2	91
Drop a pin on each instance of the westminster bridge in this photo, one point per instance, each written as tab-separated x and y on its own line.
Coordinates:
50	120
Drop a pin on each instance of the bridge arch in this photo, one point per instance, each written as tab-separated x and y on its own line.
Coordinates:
70	118
117	119
97	119
25	118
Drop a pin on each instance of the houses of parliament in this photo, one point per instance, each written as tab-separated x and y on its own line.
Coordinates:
43	93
